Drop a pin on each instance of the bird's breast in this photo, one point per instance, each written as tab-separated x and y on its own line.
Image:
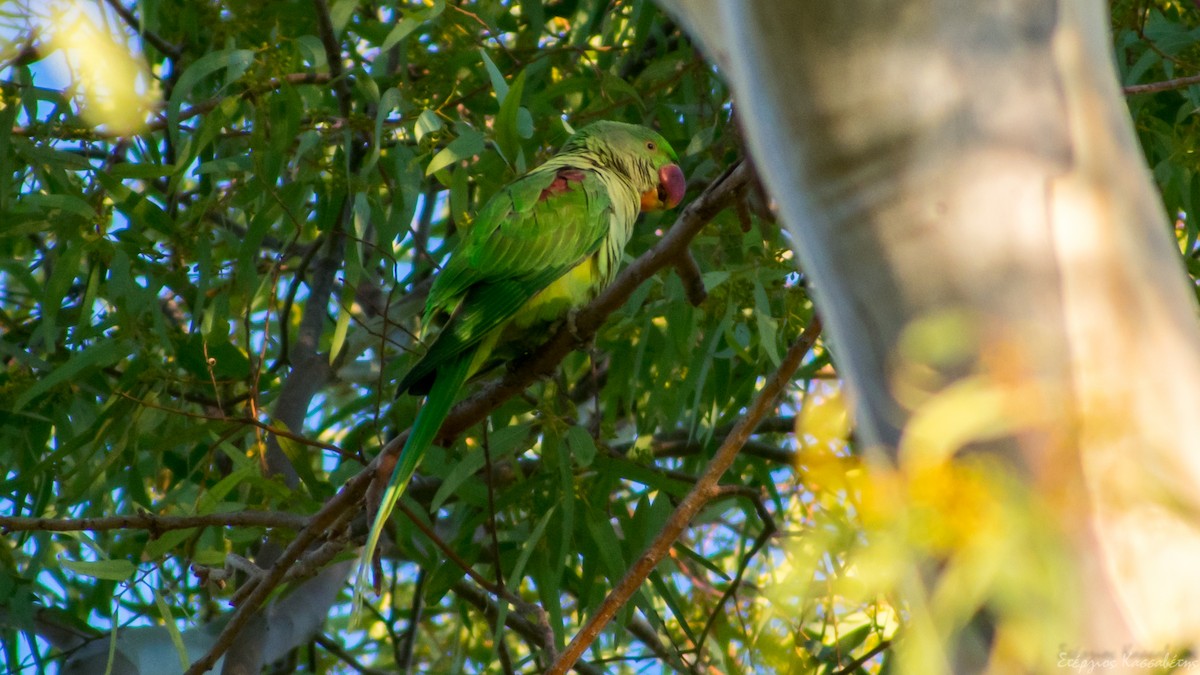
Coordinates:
571	290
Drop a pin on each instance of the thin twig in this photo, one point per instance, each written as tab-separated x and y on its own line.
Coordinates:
245	421
333	647
154	523
1165	85
406	647
454	557
491	517
706	488
760	542
149	36
645	633
516	622
490	32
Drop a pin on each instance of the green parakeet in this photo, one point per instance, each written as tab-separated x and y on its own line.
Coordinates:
542	246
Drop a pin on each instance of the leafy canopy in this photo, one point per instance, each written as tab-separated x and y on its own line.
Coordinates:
238	225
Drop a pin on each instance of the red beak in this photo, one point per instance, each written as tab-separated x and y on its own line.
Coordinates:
668	193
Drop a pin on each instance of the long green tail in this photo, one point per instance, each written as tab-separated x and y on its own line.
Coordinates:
429	420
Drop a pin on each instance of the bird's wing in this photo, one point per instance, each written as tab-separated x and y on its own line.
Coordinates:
529	234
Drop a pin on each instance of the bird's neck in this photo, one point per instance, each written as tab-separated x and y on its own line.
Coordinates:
614	177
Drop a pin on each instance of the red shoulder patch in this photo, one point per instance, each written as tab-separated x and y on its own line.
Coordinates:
561	183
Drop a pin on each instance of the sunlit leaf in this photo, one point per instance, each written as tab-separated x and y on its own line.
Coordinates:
427	123
468	144
118	91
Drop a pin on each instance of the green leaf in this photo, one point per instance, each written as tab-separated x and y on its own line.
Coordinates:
607	545
300	456
468	144
210	557
144	212
100	355
405	26
159	546
390	101
61	202
508	136
141	171
528	547
669	596
715	278
340	329
463	469
620	90
498	84
340	14
235	61
427	123
215	357
767	335
211	500
701	560
312	50
582	445
226	165
524	123
110	570
168	620
502	443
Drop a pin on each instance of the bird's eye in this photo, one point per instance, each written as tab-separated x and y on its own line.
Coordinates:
650	145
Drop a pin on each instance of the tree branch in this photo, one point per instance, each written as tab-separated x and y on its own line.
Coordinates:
1166	85
693	283
333	55
323	519
668	251
154	523
700	495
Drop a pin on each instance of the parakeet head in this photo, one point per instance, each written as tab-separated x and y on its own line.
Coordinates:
641	155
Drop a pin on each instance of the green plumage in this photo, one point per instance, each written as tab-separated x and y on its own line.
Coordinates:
511	252
541	246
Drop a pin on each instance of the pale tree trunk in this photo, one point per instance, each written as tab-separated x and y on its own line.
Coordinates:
286	623
950	163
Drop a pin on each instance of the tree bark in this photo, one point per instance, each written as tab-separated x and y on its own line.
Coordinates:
967	173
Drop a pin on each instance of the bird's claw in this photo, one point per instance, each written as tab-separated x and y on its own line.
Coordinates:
573	329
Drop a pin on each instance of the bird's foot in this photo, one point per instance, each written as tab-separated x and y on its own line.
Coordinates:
573	329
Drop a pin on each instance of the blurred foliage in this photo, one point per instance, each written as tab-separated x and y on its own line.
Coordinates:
154	286
1159	41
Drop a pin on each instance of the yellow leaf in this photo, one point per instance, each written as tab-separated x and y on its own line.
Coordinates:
823	421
